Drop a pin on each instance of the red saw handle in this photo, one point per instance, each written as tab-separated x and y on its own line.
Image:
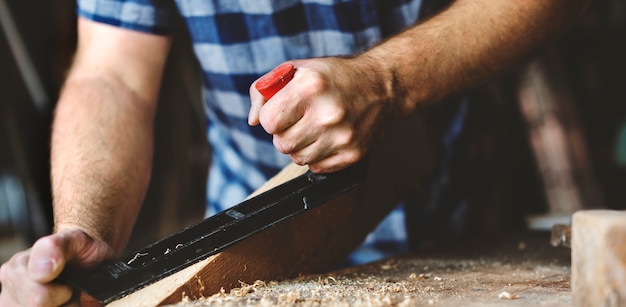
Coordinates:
274	80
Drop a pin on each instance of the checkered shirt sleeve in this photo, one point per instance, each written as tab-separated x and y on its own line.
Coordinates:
153	16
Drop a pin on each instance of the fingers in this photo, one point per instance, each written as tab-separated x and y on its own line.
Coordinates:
18	289
323	152
322	131
267	86
257	101
282	111
28	278
335	163
277	114
327	159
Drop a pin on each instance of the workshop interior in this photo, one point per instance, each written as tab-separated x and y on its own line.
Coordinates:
556	128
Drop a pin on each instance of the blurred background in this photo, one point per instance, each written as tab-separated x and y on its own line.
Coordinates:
557	128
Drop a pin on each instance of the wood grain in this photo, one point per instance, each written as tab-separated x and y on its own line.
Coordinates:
317	240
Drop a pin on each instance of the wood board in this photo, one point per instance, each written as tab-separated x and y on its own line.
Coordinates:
317	240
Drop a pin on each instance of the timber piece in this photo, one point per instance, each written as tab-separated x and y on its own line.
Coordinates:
599	258
316	240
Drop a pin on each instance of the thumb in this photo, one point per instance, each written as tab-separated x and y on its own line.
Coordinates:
50	254
47	259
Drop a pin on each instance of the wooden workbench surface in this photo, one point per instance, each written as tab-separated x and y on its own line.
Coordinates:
519	270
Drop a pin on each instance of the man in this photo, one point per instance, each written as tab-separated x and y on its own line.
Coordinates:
327	117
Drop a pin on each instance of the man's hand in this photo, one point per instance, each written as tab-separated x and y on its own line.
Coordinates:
28	277
329	115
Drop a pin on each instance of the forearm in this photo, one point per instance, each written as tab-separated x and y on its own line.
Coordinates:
465	45
101	155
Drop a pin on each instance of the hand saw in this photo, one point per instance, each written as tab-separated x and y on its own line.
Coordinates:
113	279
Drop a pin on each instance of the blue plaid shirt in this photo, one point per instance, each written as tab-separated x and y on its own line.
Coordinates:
238	41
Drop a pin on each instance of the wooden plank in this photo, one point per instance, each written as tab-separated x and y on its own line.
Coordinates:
315	241
599	258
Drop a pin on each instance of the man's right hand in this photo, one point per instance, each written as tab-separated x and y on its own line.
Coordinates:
28	277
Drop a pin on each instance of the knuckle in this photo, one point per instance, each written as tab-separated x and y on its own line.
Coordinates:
50	245
12	268
331	114
315	168
352	157
48	242
344	138
299	160
343	160
268	122
282	145
314	84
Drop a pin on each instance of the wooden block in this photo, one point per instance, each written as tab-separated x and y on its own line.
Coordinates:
317	240
599	258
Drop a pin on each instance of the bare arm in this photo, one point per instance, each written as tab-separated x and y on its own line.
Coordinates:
101	160
338	107
466	44
102	135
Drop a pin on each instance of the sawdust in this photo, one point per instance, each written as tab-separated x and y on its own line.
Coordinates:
536	274
508	296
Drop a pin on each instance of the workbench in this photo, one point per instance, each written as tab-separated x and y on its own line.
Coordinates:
517	270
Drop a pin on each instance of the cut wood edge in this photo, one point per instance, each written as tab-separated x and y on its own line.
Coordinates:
161	287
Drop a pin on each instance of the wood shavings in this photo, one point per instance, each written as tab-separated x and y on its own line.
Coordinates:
201	286
419	277
185	298
327	281
245	288
137	256
330	278
508	296
424	280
